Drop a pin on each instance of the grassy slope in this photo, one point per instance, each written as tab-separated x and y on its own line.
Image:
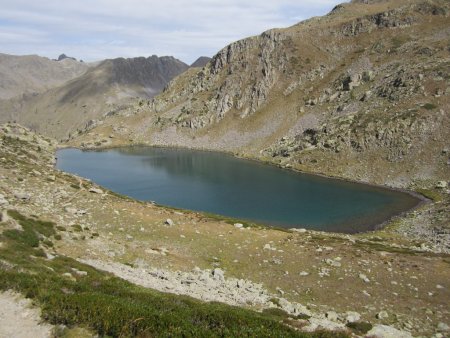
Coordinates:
111	305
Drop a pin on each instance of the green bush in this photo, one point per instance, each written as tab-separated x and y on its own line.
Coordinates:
360	327
77	228
429	106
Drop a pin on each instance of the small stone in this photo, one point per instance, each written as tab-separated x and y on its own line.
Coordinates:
364	278
169	222
382	315
22	196
81	273
331	315
387	332
332	262
238	225
70	210
129	237
441	185
218	274
442	327
304	273
96	190
301	230
69	275
438	286
3	200
366	293
352	316
267	247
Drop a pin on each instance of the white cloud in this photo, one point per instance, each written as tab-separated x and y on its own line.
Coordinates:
98	29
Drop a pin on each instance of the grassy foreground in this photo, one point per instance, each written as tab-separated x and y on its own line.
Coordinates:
112	306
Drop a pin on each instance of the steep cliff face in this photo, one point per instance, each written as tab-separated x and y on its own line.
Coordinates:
358	93
239	77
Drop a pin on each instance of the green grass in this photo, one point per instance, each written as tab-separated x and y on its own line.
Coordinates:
114	307
45	228
429	106
430	194
32	229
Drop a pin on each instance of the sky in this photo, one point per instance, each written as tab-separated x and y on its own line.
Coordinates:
93	30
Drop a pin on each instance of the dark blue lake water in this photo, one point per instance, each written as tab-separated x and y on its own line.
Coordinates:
225	185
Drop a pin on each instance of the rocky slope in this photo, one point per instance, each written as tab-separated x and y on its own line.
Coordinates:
31	74
103	89
379	283
361	93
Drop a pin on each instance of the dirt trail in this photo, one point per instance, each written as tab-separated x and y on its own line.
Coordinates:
18	318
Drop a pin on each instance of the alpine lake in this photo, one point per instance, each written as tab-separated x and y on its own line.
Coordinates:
241	189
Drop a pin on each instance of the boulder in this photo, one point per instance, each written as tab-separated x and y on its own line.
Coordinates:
332	262
218	274
331	315
441	185
364	278
96	190
300	230
169	222
442	327
3	200
22	196
351	82
384	331
382	315
352	316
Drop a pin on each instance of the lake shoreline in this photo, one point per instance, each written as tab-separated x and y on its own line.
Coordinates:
368	227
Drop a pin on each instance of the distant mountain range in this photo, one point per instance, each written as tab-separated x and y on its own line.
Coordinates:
32	74
56	97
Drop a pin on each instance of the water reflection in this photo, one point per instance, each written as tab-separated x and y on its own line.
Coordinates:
222	184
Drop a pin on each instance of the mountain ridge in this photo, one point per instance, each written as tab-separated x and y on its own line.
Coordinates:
105	88
308	95
31	74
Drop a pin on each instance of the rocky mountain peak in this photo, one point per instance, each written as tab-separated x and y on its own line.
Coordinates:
201	62
64	56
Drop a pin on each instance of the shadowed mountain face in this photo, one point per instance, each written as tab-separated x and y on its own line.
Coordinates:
31	74
111	86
